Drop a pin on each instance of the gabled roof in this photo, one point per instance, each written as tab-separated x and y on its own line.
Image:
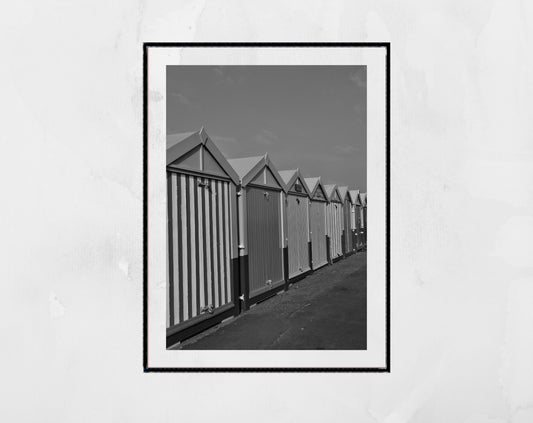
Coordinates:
354	196
291	176
343	191
179	145
287	175
314	184
331	189
363	199
245	165
247	168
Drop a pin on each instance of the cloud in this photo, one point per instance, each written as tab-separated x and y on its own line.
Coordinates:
357	79
265	137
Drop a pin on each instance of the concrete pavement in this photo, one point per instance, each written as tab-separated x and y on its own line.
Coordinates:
326	310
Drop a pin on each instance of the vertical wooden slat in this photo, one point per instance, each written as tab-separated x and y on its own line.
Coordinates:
352	245
294	238
169	302
292	234
176	280
339	229
214	232
191	214
221	272
328	222
267	252
336	210
218	244
205	247
320	233
322	241
271	238
304	231
185	246
314	228
260	216
297	236
170	256
350	226
201	249
224	244
314	231
209	244
222	234
328	230
332	217
178	240
332	230
227	238
336	228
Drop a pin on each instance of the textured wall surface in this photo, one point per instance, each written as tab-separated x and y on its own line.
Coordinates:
462	257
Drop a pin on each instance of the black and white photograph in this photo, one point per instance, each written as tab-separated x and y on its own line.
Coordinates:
262	236
267	204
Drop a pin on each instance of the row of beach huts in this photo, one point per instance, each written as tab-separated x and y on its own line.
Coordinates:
240	231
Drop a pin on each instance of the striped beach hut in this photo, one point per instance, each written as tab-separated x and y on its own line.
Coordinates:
202	263
364	223
355	218
297	229
317	218
334	222
261	239
347	238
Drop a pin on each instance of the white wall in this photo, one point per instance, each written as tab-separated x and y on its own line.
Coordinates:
71	309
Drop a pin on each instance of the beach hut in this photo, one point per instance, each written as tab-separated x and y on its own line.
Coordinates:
297	229
364	223
261	239
355	218
334	222
202	256
317	220
347	235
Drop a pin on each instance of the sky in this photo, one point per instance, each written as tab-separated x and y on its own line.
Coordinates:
307	117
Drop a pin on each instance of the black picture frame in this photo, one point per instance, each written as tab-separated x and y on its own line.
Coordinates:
146	368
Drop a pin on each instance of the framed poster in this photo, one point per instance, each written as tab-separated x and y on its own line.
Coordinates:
261	252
